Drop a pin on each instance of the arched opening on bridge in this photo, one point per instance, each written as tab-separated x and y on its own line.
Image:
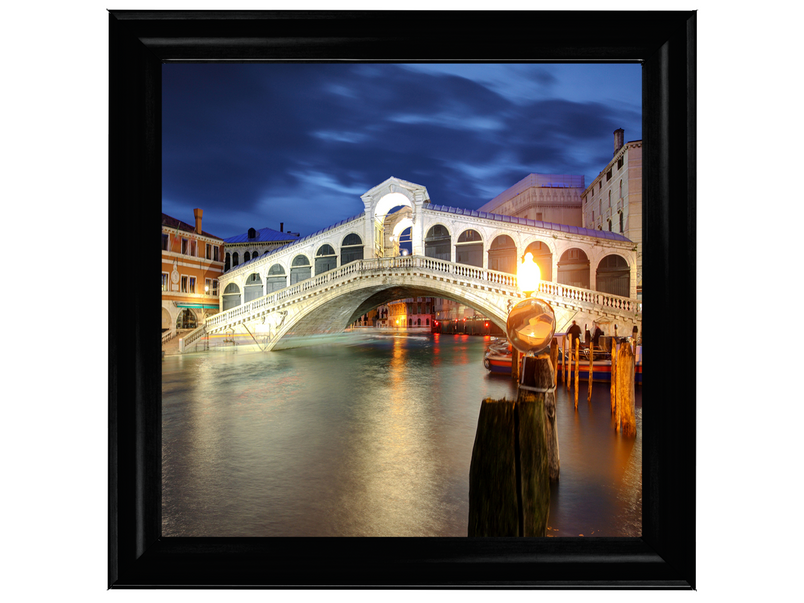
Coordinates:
165	320
502	255
231	296
351	249
404	242
300	269
543	258
469	248
253	287
186	319
614	276
228	262
573	268
437	243
276	279
325	259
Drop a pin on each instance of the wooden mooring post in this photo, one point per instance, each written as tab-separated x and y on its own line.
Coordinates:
577	367
626	415
554	359
514	457
613	376
591	369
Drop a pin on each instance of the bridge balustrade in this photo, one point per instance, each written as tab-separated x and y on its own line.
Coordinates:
368	266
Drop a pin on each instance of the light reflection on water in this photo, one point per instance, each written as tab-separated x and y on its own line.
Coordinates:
366	437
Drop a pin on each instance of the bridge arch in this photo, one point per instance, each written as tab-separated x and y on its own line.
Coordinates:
325	259
276	279
438	242
469	248
231	296
300	269
573	268
613	275
503	254
253	287
543	257
351	248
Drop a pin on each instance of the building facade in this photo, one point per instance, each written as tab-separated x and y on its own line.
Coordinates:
254	243
552	198
613	201
192	263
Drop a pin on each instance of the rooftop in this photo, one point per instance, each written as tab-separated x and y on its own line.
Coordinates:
264	235
171	222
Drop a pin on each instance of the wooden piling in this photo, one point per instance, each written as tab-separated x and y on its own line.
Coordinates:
565	361
577	367
591	368
515	364
626	415
554	360
613	375
511	468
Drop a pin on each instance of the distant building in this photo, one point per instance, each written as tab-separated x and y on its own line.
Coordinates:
192	262
254	243
613	202
411	313
545	197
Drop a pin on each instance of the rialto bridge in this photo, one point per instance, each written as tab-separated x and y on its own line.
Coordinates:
325	281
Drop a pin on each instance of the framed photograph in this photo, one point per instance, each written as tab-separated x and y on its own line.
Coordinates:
143	554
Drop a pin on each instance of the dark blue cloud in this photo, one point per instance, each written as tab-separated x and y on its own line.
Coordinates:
255	145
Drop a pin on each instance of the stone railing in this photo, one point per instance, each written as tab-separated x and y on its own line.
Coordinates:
167	336
472	274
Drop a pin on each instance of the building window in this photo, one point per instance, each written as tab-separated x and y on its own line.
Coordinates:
209	252
193	249
593	215
216	253
608	175
539	216
621	221
191	288
215	287
208	286
164	281
620	162
165	242
185	245
609	199
609	225
621	189
184	284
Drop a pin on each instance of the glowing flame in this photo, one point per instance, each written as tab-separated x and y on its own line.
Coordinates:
528	274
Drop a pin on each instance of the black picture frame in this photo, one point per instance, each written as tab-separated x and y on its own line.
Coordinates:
665	44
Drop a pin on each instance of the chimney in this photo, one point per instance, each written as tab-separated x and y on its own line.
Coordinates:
618	139
281	227
198	213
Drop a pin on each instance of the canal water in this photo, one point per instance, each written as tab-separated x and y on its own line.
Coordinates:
367	435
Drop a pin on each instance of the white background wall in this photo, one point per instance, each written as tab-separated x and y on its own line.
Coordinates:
749	108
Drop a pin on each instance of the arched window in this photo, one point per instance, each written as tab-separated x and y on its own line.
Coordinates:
227	263
573	268
351	249
246	256
621	189
235	259
437	243
621	221
609	225
614	276
300	269
325	259
276	279
543	258
252	234
502	255
253	287
469	249
231	296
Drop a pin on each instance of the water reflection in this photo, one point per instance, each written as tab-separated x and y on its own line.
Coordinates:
371	439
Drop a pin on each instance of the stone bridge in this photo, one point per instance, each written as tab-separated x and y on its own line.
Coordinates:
325	281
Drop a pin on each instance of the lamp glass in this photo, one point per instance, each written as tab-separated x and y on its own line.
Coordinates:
531	326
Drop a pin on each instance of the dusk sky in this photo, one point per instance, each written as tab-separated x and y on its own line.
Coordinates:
256	145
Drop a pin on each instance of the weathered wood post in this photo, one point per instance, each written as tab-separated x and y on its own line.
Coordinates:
626	415
539	375
509	476
515	364
565	361
577	367
554	359
613	375
591	368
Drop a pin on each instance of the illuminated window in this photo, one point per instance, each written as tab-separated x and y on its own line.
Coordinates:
191	286
184	284
164	281
215	287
